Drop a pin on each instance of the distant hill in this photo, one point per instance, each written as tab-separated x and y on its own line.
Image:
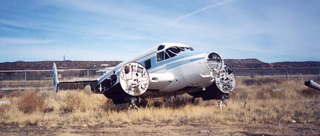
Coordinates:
246	63
255	63
240	66
257	67
46	65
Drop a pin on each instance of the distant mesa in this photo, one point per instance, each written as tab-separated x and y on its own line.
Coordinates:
249	66
243	61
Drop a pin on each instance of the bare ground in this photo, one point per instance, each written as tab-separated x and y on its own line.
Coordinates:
164	129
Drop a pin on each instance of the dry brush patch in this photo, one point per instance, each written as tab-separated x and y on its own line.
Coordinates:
254	101
23	83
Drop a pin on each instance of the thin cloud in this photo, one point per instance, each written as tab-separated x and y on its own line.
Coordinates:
12	23
27	25
118	14
21	41
218	4
111	9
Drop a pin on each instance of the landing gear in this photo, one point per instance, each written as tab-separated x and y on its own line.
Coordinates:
119	97
195	100
222	102
137	102
133	103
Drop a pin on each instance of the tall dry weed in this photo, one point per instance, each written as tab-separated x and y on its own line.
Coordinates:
255	101
30	101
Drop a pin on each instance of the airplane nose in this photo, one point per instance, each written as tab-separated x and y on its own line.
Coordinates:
214	62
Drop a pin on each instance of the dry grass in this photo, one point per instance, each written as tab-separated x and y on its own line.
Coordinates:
254	101
23	83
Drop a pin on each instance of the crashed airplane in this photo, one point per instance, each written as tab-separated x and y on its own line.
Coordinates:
166	70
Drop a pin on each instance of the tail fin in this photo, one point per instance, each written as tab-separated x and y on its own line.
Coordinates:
55	77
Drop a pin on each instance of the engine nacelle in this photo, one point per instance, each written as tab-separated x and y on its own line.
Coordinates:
215	62
225	80
134	79
221	73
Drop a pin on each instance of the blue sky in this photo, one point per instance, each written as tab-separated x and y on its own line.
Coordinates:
270	30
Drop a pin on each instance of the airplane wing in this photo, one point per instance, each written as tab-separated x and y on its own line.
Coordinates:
312	84
69	85
73	85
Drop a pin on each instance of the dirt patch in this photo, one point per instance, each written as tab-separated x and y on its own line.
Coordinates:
172	130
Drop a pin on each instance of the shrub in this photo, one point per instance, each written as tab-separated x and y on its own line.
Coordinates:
30	101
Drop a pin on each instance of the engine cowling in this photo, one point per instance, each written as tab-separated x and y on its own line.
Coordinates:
134	79
215	62
225	80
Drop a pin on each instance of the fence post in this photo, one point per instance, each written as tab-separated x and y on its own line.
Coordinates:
319	76
25	75
88	73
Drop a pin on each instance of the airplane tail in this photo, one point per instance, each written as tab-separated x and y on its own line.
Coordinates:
55	78
68	85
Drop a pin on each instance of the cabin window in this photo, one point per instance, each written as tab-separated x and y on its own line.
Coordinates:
147	64
160	47
160	56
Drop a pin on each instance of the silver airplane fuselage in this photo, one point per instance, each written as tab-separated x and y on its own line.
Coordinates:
182	70
168	69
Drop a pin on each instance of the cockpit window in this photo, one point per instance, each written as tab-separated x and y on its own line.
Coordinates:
171	52
186	48
166	55
174	50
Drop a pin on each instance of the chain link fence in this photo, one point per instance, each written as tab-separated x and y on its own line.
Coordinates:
41	79
67	74
47	74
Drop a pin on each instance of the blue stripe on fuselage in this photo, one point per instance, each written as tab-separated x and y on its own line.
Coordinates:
173	62
176	64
